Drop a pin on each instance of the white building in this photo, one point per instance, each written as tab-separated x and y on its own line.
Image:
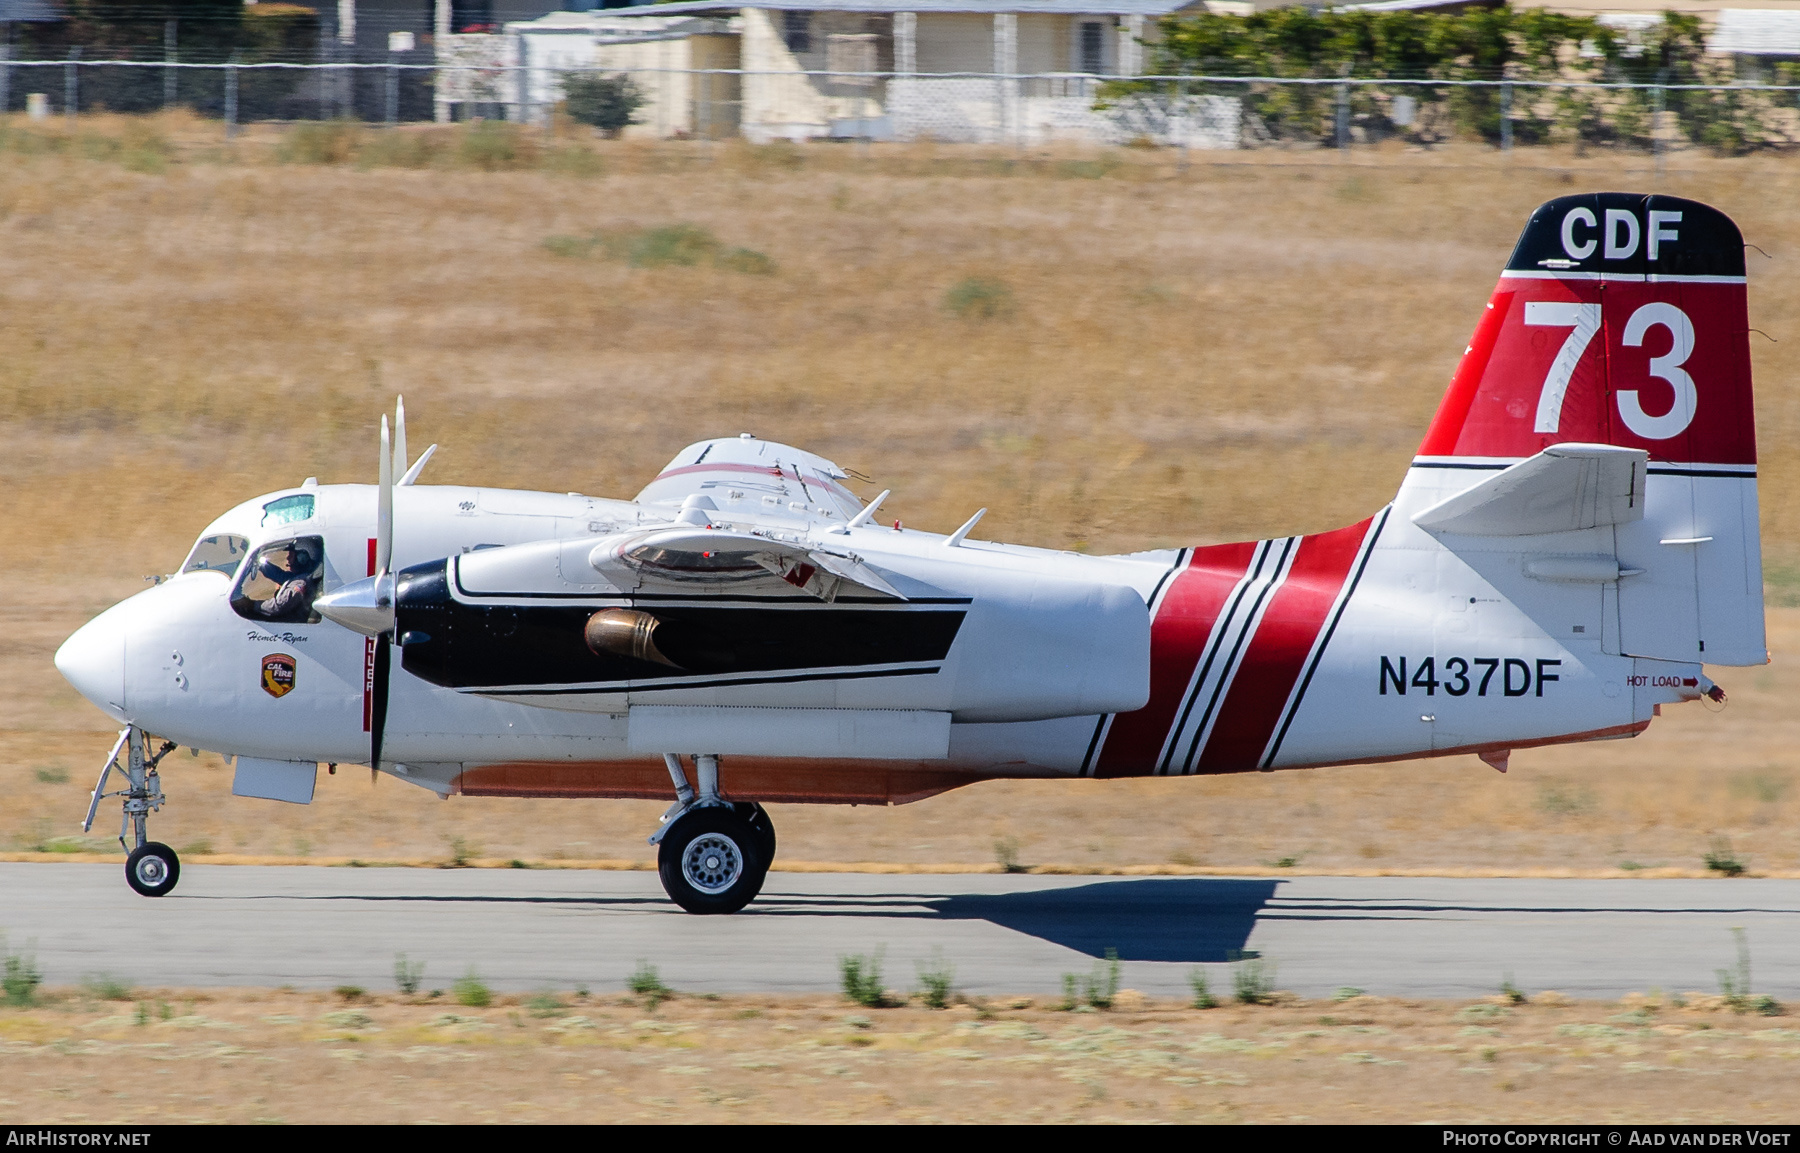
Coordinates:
962	70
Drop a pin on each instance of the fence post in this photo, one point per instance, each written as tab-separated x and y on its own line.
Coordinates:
71	86
171	41
393	89
1343	117
5	67
1505	117
231	97
1656	120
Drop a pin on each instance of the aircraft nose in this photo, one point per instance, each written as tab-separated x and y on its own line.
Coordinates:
93	660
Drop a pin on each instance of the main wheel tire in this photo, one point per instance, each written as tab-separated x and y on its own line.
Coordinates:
764	827
711	861
152	869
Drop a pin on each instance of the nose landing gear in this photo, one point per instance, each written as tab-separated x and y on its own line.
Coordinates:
712	855
151	868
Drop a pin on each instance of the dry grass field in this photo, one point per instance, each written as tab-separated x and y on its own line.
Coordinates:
269	1056
1242	346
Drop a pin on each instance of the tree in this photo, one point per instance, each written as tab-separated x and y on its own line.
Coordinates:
608	103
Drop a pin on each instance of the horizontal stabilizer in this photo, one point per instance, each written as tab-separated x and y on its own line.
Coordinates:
691	556
1564	488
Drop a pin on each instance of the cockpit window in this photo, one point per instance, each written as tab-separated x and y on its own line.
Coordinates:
222	553
288	510
281	581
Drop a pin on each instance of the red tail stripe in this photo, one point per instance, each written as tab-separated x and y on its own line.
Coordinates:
1259	692
1184	620
1447	425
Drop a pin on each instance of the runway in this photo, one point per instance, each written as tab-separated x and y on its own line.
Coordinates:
521	930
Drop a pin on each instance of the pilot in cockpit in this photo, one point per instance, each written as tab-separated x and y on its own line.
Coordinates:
291	569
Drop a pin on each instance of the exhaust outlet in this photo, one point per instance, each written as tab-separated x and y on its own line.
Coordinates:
625	633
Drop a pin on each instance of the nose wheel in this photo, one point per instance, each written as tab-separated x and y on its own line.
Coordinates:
151	868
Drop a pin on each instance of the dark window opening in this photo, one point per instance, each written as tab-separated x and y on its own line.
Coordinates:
797	27
472	16
1093	48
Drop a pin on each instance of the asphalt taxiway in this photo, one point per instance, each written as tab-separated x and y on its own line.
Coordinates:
527	929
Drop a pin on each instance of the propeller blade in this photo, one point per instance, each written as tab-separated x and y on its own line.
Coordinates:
412	474
400	457
384	507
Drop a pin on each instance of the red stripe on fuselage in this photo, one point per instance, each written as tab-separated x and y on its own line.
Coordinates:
1259	692
1184	620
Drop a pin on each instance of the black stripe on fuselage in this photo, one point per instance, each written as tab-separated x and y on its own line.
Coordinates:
458	645
637	687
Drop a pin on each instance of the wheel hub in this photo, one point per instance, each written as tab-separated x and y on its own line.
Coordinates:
152	870
712	863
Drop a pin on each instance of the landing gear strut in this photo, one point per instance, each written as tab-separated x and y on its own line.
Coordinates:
151	868
712	855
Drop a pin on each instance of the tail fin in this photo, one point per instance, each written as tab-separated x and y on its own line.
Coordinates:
1621	319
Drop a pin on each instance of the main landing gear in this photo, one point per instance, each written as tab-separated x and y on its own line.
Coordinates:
713	855
151	868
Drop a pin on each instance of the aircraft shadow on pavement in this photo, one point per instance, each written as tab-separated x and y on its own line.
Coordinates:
1189	919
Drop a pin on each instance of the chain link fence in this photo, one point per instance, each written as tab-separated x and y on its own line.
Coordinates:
1202	112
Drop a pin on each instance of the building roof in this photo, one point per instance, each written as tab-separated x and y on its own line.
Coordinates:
978	7
1756	32
23	11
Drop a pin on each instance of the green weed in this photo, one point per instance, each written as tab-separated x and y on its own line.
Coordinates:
979	298
471	991
937	981
1253	981
860	975
647	983
105	987
407	974
1203	996
1721	859
21	976
1096	989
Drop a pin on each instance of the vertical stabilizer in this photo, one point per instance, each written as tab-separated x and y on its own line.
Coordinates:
1621	319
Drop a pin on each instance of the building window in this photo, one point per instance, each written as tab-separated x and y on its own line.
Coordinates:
797	27
472	16
1093	48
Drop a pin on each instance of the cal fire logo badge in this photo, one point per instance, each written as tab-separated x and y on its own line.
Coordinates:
278	674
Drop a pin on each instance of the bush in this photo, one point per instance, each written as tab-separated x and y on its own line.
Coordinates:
678	245
1095	990
1721	859
105	987
861	975
323	142
495	146
472	991
1253	981
407	974
979	298
21	979
1006	852
645	982
937	981
1203	997
1734	984
608	103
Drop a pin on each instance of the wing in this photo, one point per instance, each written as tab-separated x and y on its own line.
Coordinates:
746	478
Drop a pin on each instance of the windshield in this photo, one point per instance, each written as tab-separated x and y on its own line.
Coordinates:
222	553
281	581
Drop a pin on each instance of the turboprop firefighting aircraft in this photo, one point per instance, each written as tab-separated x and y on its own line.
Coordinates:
1576	535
